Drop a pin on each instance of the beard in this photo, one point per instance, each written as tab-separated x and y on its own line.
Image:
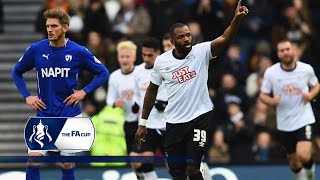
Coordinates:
55	39
183	49
287	60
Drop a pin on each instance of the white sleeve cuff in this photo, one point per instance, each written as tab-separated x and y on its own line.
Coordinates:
142	122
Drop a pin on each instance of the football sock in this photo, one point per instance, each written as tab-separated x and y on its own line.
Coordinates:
67	174
33	173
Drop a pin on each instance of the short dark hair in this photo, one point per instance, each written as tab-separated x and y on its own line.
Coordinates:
174	26
283	39
151	42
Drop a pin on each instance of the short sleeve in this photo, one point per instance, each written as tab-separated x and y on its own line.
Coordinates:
156	77
312	80
205	49
266	86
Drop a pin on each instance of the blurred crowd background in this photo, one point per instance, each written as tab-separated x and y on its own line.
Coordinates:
244	128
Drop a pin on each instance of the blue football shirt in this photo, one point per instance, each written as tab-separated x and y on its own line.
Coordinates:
57	71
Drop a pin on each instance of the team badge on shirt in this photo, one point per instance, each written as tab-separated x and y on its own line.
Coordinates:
68	57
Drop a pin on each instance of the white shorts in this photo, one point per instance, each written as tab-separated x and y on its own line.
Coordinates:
62	152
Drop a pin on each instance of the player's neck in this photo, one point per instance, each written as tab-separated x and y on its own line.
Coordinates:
180	54
127	70
59	43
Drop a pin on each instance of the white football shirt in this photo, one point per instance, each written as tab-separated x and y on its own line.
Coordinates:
185	81
156	118
123	86
292	113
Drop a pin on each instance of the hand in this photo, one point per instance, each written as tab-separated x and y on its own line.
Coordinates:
36	103
306	98
119	103
276	100
75	98
241	11
141	134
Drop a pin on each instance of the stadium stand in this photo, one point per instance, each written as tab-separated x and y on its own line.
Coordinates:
19	17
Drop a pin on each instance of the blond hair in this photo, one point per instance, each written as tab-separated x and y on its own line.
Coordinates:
59	14
127	45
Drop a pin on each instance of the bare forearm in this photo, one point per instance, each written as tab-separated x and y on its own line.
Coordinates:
314	91
149	100
219	44
267	99
232	29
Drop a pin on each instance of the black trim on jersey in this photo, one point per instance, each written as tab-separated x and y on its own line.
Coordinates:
289	70
148	67
180	58
128	72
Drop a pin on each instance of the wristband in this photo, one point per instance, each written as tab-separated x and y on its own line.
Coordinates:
142	122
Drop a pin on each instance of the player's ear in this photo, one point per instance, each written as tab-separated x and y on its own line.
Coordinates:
172	42
65	28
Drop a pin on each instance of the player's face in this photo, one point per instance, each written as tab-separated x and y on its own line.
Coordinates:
149	55
285	52
167	45
55	30
126	58
182	39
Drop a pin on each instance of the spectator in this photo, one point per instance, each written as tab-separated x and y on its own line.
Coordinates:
232	63
96	19
75	19
166	43
196	32
252	82
219	150
164	13
240	144
210	16
132	22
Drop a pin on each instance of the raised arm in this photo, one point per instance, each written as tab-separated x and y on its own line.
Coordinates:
218	44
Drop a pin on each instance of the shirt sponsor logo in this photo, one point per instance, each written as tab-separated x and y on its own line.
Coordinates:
292	90
55	72
183	74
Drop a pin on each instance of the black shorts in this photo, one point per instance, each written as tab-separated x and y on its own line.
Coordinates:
130	129
154	140
288	140
185	143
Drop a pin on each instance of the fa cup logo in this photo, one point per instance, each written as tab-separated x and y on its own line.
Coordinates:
39	132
